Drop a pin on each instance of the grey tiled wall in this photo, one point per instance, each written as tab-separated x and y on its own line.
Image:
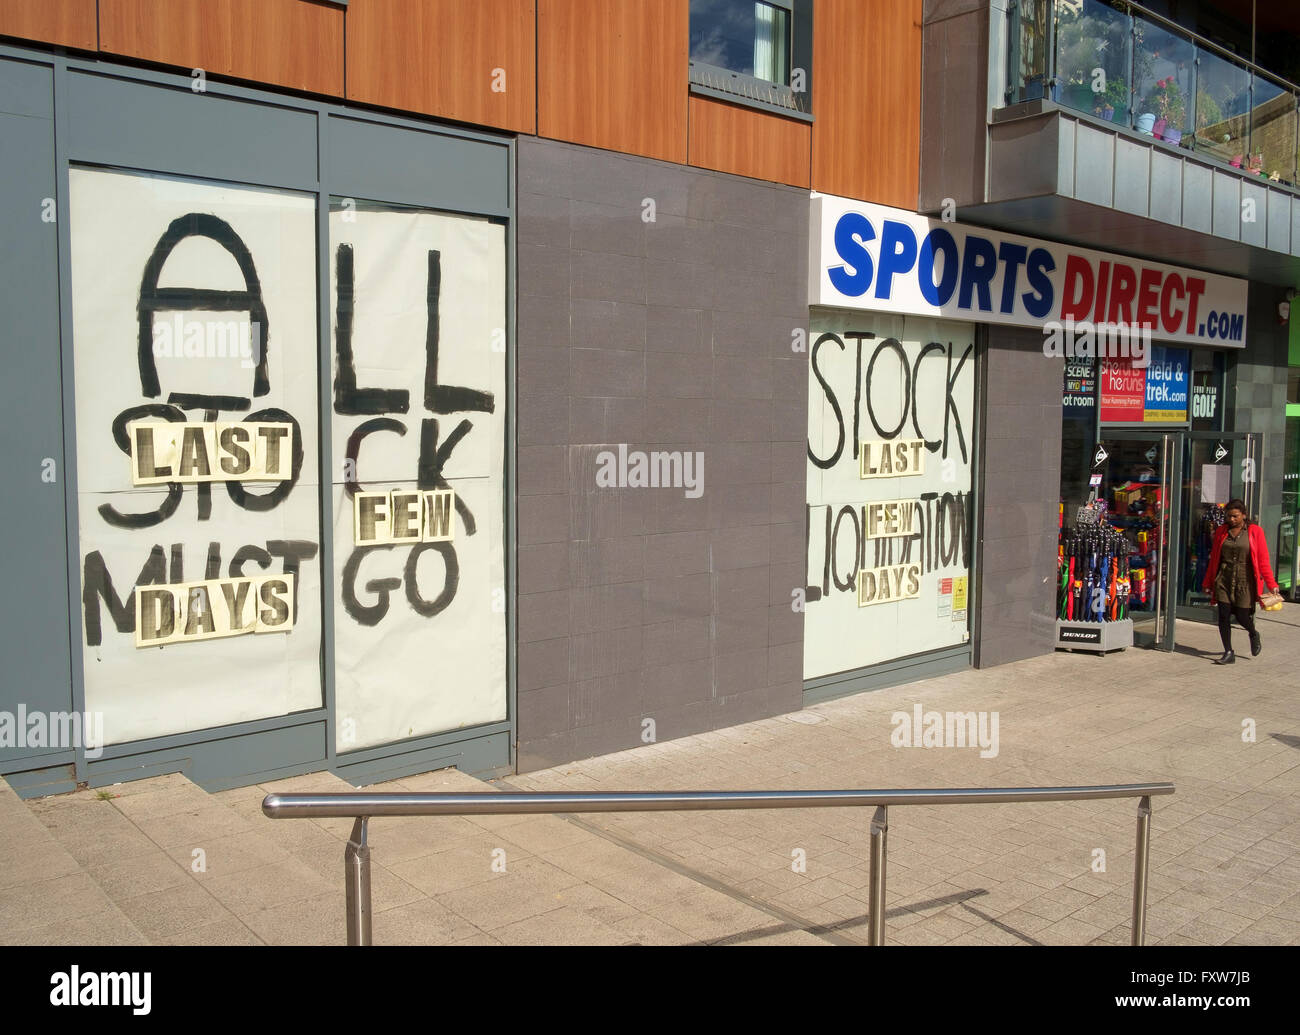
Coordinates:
1022	486
1257	398
675	334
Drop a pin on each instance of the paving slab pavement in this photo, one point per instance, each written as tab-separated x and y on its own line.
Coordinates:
161	861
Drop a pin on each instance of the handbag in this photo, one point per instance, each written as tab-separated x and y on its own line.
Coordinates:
1271	601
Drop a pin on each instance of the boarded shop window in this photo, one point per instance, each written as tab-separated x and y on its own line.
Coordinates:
418	432
194	308
889	504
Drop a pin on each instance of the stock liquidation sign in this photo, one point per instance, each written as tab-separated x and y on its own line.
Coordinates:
882	259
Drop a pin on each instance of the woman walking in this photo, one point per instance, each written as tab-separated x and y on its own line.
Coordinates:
1238	575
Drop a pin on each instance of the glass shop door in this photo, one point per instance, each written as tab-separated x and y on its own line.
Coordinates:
1140	472
1218	467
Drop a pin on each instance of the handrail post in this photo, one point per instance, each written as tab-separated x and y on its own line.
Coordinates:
356	871
1140	863
879	837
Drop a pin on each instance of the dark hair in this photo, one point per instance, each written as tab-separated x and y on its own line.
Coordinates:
1238	505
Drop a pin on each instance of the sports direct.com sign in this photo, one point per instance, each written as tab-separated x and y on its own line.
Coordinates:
886	260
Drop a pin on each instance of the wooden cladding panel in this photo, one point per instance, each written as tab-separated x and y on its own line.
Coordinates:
739	140
65	23
469	60
288	43
614	74
866	140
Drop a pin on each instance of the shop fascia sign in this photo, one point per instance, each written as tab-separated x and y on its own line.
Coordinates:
865	256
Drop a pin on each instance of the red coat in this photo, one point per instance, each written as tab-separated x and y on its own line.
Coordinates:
1260	568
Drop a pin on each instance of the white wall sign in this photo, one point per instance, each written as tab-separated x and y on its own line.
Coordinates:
151	252
865	256
883	535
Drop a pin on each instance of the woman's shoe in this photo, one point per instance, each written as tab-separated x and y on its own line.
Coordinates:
1255	645
1228	658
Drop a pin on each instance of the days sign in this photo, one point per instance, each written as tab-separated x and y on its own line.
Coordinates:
881	585
865	256
213	609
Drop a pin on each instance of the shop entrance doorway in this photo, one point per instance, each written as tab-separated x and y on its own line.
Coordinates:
1218	467
1137	474
1165	491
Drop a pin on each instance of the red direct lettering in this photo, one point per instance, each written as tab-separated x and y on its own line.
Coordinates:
1103	279
1123	285
1170	317
1077	269
1195	288
1148	297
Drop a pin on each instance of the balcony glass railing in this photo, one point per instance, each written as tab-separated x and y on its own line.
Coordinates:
1118	62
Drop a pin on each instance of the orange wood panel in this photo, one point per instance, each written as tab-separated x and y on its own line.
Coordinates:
866	140
292	43
615	74
442	57
66	23
734	139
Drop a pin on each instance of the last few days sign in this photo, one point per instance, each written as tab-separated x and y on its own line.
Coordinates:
886	260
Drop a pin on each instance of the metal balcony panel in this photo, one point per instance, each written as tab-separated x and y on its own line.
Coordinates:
1132	177
1198	197
1165	201
1065	162
1254	213
1227	206
1094	166
1023	159
1278	221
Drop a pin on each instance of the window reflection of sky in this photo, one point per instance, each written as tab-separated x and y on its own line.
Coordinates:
745	36
722	34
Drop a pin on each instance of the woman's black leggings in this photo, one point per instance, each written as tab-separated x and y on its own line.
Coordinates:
1226	613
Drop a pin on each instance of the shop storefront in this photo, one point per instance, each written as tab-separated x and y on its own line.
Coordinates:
264	347
902	313
1145	455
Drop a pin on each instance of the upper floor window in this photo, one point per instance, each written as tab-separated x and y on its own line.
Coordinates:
745	36
753	50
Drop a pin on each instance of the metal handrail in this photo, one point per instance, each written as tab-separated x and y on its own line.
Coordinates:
362	807
1205	43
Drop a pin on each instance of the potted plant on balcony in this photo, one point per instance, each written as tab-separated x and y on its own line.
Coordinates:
1166	102
1115	98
